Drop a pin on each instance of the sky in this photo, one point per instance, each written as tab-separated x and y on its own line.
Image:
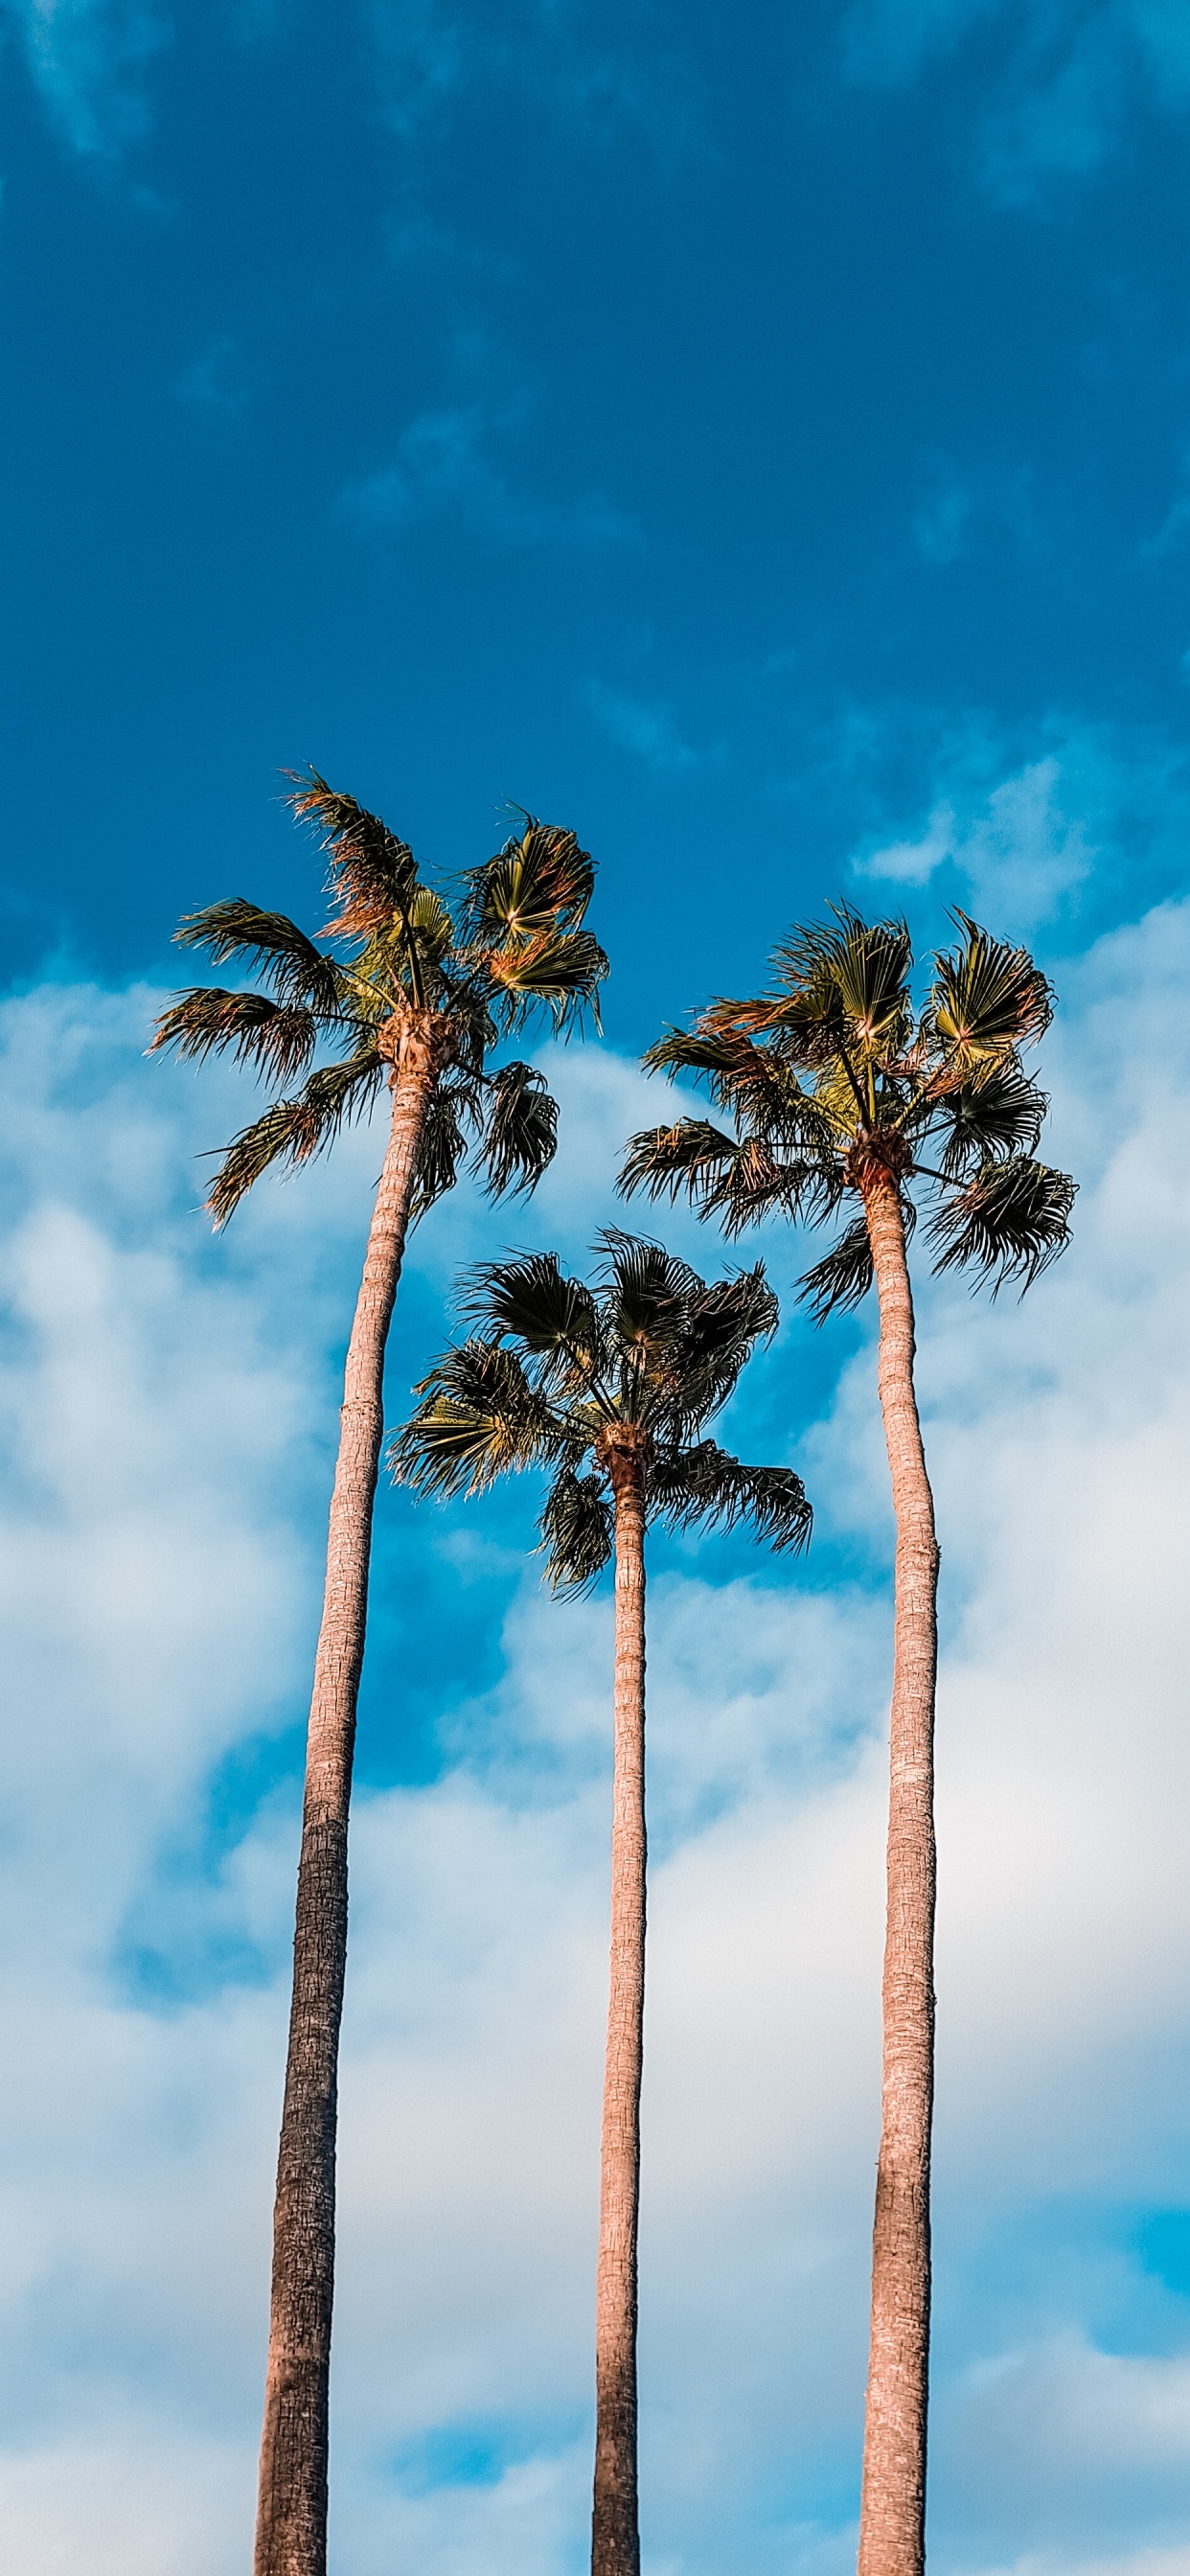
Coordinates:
760	439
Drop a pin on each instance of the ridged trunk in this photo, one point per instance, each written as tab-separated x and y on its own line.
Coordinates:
892	2510
615	2539
292	2506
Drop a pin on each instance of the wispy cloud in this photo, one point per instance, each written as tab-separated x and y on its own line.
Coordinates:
1020	856
561	59
1031	825
87	60
646	727
212	383
444	466
1068	77
964	511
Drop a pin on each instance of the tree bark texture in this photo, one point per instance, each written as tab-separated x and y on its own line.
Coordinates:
892	2511
291	2511
615	2540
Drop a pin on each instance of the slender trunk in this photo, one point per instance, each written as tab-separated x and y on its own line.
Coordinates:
892	2512
291	2511
615	2540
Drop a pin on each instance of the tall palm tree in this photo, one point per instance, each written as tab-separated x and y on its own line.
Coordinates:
407	994
839	1090
610	1390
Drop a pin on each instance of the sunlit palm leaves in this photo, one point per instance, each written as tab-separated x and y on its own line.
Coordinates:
515	940
556	1371
836	1068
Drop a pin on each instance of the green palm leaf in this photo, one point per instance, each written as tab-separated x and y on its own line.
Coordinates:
520	1131
986	999
990	1120
296	970
528	1299
842	1278
703	1483
576	1532
293	1131
562	968
1010	1222
540	881
479	1416
845	985
277	1037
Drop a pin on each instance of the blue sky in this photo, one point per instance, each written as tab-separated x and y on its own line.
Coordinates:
762	439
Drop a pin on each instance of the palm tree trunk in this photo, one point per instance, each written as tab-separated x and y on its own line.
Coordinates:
615	2541
892	2511
291	2512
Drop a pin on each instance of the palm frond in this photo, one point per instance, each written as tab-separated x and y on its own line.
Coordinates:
645	1294
986	1000
292	1131
441	1147
289	963
845	984
528	1299
520	1131
705	1483
373	875
479	1416
563	968
686	1158
277	1037
739	1181
842	1278
430	925
721	1328
990	1120
754	1084
1010	1222
541	880
576	1531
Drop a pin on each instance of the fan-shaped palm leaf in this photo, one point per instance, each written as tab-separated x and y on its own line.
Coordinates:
528	1299
289	963
688	1486
539	880
1010	1222
576	1527
293	1131
520	1130
372	874
479	1416
1000	1116
986	999
279	1038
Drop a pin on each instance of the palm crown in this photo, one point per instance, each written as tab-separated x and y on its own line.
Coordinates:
836	1075
594	1383
512	938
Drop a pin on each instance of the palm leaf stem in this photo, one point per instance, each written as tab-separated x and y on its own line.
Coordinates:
845	1061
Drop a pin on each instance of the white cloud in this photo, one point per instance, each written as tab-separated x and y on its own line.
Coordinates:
1067	80
168	1412
1020	856
443	467
87	60
559	61
642	726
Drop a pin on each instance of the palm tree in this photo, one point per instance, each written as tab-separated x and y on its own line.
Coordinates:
407	994
610	1390
839	1089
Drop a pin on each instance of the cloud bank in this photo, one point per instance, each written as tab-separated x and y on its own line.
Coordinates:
169	1416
